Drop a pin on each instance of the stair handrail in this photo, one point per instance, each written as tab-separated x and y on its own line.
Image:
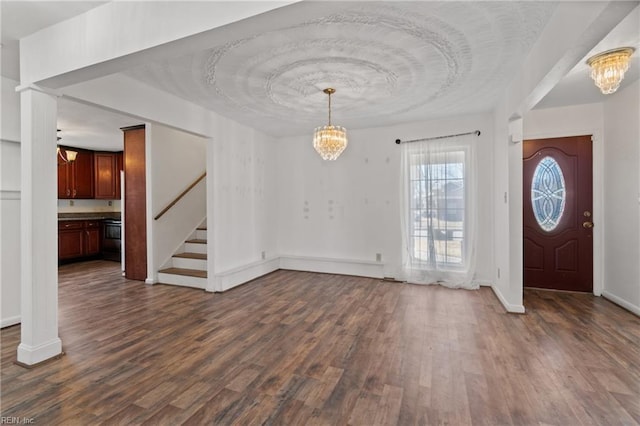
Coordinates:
179	197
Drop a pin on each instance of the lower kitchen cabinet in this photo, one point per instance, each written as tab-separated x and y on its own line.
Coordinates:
92	238
70	239
78	238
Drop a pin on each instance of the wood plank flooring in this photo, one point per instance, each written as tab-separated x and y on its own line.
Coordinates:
298	348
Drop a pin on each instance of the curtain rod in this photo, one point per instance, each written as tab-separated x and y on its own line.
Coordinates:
475	132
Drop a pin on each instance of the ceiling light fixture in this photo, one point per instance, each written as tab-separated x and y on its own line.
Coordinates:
608	68
330	140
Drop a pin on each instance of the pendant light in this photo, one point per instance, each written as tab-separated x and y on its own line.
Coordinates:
329	141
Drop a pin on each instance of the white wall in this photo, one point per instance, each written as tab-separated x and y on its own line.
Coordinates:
574	121
349	209
176	160
622	197
9	204
244	195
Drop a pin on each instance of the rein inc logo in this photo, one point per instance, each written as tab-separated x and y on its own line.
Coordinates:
6	420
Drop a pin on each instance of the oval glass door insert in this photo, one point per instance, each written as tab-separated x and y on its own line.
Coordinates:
548	194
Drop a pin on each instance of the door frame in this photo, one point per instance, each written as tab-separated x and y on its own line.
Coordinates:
598	195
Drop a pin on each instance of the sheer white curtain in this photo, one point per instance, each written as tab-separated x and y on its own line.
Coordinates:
439	219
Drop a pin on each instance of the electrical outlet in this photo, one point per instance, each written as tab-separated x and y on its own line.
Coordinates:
378	257
110	203
71	202
498	272
264	255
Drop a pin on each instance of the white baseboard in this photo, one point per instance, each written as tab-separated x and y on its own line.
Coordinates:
514	309
226	280
31	355
360	268
7	322
619	301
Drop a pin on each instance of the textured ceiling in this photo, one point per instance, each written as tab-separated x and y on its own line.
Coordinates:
390	62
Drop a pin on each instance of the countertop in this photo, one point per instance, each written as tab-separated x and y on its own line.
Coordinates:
89	216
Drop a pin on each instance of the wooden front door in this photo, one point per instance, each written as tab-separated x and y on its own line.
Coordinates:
558	220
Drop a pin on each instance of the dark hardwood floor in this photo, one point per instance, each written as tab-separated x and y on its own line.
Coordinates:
303	349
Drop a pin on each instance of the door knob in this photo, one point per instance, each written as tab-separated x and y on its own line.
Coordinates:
587	225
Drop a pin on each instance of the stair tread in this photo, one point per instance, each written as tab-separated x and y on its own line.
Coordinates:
183	271
188	255
196	241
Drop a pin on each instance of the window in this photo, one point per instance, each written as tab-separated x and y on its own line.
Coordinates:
548	194
438	207
439	211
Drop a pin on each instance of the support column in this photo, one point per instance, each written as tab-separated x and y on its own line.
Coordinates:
39	227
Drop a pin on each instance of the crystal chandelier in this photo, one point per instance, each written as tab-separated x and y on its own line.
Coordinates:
330	140
608	68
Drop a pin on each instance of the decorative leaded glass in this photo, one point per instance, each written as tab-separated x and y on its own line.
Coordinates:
548	194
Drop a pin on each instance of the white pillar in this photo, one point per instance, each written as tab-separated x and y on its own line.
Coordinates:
39	226
213	284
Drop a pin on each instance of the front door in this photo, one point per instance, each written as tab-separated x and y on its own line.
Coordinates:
558	220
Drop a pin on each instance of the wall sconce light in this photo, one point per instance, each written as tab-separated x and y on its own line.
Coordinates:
70	155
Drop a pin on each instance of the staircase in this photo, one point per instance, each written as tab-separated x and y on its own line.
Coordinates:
188	267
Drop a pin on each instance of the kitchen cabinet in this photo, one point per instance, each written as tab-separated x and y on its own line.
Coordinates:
78	238
75	179
107	166
92	238
70	239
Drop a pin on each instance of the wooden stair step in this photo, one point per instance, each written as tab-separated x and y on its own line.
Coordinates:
202	228
188	255
187	272
197	241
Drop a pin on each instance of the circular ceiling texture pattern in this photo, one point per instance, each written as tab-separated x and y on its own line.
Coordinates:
390	62
381	57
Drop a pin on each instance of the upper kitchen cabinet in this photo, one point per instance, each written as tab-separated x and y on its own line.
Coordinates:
75	178
107	166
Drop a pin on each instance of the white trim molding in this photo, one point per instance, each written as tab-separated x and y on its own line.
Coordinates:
621	302
360	268
8	322
231	278
31	355
226	280
513	309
